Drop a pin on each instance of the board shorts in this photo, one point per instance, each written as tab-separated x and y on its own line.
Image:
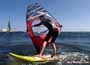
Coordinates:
52	33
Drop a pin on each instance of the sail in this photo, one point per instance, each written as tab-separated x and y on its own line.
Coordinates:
37	34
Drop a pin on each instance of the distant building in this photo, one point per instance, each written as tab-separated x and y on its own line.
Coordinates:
4	30
8	29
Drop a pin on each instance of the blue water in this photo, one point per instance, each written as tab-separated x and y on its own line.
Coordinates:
70	41
20	42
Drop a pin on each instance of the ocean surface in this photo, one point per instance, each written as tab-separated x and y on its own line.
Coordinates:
19	42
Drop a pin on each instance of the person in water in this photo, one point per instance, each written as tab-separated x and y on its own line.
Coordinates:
51	35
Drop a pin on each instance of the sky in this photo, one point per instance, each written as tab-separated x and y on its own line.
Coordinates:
74	15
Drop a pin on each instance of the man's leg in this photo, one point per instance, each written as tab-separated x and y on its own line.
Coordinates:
54	36
54	49
52	45
43	48
45	43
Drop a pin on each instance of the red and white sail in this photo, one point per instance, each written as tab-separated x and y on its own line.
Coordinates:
37	34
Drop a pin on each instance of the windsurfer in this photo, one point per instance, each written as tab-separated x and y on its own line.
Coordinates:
52	34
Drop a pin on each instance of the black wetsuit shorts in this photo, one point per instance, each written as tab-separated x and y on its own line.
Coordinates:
52	33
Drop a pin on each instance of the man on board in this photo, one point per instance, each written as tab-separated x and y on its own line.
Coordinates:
51	35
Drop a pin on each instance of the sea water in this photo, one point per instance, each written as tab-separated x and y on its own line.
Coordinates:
67	43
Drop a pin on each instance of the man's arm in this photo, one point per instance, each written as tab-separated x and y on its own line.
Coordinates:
34	17
37	24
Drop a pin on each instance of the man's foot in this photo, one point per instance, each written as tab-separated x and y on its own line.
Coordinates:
38	55
53	55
